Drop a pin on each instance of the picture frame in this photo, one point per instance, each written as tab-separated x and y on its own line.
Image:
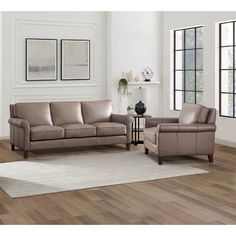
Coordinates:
41	59
75	59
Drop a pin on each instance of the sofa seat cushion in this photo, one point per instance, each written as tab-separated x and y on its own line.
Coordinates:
110	128
150	134
79	130
45	132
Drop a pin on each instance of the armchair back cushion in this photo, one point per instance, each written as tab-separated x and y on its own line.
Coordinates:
96	111
37	113
64	113
193	113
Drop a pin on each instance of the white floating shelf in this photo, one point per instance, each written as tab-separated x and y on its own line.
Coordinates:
144	83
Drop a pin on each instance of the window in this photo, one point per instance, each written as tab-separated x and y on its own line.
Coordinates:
227	69
188	66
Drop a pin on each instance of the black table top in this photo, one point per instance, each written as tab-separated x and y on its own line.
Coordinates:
140	116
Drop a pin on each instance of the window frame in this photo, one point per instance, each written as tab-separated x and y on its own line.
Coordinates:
233	69
195	70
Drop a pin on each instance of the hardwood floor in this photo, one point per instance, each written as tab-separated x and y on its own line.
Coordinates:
196	199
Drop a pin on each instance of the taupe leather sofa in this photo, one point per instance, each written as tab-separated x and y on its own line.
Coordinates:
43	125
193	133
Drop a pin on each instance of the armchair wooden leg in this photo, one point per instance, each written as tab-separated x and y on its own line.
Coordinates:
26	152
160	160
12	147
210	158
146	151
127	146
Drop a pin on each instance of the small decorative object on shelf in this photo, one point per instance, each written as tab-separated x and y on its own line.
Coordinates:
123	85
140	108
136	78
130	110
147	74
130	77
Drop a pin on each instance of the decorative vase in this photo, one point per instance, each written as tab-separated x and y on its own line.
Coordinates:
140	108
136	78
130	112
130	77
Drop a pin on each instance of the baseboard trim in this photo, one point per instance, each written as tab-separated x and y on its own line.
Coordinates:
225	142
4	138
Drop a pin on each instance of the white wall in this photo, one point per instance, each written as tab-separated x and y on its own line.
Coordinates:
173	20
20	25
134	42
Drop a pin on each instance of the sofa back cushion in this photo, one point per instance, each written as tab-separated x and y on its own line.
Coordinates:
37	113
193	113
96	111
64	113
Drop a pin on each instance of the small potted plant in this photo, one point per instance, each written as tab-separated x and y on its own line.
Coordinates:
123	86
130	109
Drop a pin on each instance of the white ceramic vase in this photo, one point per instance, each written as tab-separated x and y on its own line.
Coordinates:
130	77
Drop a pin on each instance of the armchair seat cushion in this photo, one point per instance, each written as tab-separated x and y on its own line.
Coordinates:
110	128
150	134
46	132
79	130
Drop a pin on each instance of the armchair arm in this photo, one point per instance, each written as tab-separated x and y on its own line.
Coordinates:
19	133
184	128
126	120
152	122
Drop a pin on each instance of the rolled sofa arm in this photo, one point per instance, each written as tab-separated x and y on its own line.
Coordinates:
19	133
19	123
185	128
126	120
152	122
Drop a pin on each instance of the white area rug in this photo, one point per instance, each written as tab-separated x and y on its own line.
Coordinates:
72	172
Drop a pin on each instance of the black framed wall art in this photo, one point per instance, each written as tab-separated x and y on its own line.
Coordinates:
75	59
41	59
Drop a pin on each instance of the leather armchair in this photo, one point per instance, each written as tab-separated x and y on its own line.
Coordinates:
193	133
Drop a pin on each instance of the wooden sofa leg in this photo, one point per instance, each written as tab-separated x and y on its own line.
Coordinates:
26	152
210	158
127	146
12	147
146	151
160	160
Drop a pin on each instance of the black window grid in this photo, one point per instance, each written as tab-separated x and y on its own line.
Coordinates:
195	70
221	92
